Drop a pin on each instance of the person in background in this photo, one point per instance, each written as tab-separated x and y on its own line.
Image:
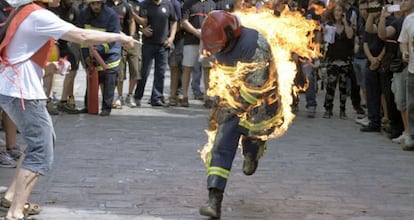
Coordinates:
389	28
374	50
194	13
406	40
71	51
130	57
339	57
159	21
99	16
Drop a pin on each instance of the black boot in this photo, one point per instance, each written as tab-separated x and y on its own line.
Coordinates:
249	164
212	208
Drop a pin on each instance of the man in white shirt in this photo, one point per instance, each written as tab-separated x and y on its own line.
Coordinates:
406	40
23	98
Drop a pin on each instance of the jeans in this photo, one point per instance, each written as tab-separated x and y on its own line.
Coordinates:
308	72
36	127
360	69
158	53
373	88
196	78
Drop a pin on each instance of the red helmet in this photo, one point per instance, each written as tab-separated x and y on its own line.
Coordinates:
219	29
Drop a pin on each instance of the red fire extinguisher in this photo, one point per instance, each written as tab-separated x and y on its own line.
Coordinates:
93	81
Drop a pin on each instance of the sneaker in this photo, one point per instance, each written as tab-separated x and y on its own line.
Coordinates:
362	121
15	152
408	144
51	108
3	189
68	108
105	113
400	139
118	103
173	101
159	103
198	95
7	161
130	101
138	102
71	102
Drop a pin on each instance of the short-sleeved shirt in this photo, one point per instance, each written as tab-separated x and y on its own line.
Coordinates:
159	17
124	11
31	35
375	44
195	11
407	37
225	5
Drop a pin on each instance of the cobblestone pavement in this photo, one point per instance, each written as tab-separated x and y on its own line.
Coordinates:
143	164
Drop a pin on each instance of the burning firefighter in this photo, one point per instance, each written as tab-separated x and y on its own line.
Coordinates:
250	110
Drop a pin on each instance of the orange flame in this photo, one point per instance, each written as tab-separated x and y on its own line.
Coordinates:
288	34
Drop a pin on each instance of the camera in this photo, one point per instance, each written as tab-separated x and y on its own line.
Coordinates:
393	8
374	10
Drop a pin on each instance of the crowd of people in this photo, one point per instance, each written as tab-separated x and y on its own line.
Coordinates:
366	52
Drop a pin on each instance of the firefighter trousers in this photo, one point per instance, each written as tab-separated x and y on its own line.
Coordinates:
225	145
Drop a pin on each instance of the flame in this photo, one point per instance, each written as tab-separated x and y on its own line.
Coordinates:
287	34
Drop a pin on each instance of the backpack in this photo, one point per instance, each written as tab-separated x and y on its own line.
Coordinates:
8	29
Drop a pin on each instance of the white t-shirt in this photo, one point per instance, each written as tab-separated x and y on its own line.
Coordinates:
31	35
407	36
